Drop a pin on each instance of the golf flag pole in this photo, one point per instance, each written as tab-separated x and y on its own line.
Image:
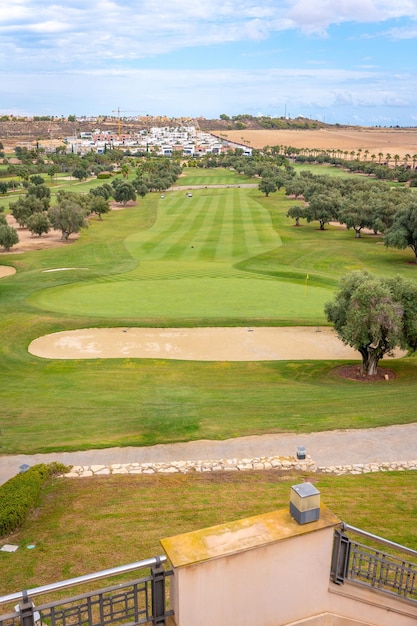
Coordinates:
306	283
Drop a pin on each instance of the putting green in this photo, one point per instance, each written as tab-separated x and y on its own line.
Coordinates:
186	268
188	297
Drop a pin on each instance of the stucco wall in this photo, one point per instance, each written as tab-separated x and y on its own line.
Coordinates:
270	571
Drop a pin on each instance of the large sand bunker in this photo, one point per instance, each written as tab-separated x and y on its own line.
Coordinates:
196	344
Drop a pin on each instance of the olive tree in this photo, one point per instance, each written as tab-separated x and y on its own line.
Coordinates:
39	224
374	315
296	211
356	212
123	192
323	207
8	236
26	206
403	231
99	206
267	186
68	217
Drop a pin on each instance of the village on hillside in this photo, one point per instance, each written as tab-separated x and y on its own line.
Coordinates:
165	141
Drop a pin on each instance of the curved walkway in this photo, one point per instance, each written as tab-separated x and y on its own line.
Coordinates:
394	445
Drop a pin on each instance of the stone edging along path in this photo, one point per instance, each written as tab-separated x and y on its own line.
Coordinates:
235	465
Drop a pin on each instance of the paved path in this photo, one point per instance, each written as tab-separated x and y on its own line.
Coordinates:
340	447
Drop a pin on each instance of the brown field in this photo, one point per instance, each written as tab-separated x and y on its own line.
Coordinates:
387	140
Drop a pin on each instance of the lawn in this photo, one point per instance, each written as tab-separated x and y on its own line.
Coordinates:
185	268
223	257
215	176
87	525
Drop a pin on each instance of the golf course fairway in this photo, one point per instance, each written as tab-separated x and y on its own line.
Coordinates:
186	268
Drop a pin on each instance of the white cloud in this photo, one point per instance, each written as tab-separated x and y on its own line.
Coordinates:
95	43
318	16
140	28
50	26
343	99
160	91
402	33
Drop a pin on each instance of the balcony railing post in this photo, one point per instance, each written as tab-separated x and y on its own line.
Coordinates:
26	608
340	557
158	593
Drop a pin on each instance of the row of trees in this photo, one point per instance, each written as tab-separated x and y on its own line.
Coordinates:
82	167
357	203
69	215
70	212
391	169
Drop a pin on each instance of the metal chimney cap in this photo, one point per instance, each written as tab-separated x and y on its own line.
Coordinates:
305	489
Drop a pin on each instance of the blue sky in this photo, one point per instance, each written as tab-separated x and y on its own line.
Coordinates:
346	61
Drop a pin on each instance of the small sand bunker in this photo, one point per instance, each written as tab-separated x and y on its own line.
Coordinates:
7	270
195	344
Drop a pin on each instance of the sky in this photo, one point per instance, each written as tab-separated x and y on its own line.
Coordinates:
338	61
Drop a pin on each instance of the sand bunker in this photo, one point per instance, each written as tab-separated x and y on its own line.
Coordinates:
7	270
195	344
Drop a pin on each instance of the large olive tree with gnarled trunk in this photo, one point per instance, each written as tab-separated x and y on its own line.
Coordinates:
374	315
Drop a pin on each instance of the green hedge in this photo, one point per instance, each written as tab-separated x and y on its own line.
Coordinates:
21	493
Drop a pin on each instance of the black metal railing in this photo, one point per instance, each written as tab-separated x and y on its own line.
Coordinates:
128	603
371	567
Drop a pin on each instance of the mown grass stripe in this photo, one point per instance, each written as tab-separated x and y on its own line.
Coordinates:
153	243
183	246
180	246
208	252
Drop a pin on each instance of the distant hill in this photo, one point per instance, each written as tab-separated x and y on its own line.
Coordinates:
250	122
30	130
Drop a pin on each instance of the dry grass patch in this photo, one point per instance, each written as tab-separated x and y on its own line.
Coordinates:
387	140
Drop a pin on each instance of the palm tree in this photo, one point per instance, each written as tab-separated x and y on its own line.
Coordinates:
125	169
396	159
380	155
388	158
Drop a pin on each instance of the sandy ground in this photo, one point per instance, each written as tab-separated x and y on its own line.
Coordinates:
28	242
387	140
195	344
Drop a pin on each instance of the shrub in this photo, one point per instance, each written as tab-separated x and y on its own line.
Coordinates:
21	493
104	175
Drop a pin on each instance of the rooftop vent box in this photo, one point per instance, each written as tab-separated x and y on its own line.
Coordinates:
305	503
